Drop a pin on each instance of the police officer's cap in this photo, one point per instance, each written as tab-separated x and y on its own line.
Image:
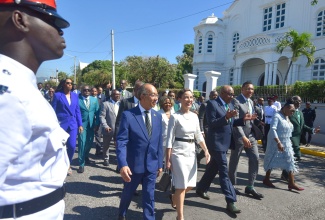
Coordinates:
47	7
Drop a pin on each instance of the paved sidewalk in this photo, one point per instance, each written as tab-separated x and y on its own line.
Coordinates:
95	195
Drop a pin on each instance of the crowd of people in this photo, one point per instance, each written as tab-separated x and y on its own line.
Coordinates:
37	151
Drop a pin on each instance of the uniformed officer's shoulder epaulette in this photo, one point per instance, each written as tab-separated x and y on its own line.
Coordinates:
4	88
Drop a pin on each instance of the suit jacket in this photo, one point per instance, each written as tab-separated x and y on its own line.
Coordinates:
89	116
260	114
134	147
250	126
107	117
127	94
298	127
101	99
220	130
125	104
202	118
69	116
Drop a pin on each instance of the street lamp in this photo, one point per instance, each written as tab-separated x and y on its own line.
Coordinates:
74	67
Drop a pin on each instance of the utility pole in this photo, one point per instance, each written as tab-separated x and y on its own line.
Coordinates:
75	72
113	59
56	76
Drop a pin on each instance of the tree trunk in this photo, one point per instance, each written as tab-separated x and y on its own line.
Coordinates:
287	73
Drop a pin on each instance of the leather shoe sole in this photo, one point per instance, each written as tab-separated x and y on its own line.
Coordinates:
203	195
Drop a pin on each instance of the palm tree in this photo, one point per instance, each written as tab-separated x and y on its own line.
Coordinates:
299	45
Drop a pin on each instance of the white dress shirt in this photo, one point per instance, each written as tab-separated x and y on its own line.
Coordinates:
33	159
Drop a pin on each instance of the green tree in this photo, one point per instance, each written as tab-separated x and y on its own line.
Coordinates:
62	75
155	70
96	77
184	63
300	45
314	2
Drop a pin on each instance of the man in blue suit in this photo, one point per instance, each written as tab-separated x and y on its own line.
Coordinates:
139	151
219	115
89	109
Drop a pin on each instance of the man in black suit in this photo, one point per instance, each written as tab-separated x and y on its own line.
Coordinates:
219	115
127	104
259	109
309	116
203	122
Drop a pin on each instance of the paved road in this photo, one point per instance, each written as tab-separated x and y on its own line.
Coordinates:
95	195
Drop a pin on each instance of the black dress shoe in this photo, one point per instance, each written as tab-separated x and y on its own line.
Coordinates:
203	195
121	218
252	191
81	169
232	208
106	163
136	193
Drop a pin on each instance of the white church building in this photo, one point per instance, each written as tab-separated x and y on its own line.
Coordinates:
241	45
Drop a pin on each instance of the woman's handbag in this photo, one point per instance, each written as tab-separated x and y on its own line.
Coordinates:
164	181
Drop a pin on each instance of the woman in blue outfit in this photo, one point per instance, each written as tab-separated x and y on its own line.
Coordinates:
279	152
66	107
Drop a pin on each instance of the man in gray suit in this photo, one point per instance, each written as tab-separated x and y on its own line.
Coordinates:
245	137
124	93
108	114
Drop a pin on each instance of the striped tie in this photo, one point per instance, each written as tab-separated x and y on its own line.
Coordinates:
148	125
87	103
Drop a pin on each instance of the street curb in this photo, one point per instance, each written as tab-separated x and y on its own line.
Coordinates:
312	152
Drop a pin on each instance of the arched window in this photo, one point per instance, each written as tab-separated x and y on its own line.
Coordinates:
199	46
231	76
209	43
235	41
320	28
319	70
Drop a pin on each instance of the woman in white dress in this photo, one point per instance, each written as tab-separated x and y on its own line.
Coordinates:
166	103
279	152
183	129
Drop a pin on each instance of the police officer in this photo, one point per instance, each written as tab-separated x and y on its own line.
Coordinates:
309	116
33	159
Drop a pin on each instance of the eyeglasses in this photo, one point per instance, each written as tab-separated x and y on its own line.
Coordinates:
68	83
86	90
152	95
230	94
51	91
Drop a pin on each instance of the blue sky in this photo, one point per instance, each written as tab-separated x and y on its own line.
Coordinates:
142	28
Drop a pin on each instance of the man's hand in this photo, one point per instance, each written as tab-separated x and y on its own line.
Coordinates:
96	128
126	174
159	172
231	113
108	129
81	129
246	142
317	130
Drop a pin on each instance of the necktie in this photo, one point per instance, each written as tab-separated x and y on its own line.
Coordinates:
249	106
227	107
148	125
87	103
123	93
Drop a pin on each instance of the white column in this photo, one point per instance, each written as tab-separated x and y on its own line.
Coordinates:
212	79
238	82
269	81
275	70
266	75
189	81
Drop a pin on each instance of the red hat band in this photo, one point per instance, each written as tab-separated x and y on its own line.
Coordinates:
50	3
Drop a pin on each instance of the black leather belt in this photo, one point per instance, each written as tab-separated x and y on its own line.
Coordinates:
268	116
185	140
32	206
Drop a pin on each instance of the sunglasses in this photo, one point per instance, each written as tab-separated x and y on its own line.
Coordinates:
86	90
68	83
